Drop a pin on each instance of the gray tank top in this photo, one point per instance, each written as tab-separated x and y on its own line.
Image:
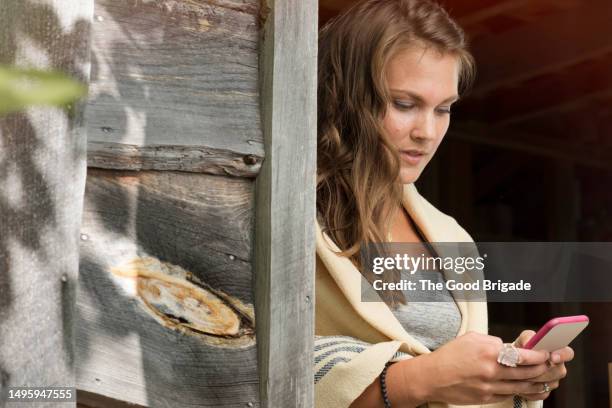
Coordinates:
433	323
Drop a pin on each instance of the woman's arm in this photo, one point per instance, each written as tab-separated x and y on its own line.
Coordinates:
404	387
463	371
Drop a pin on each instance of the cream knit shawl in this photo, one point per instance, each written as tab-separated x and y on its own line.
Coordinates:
370	333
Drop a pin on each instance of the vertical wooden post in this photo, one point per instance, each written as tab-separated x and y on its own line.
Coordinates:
285	201
42	179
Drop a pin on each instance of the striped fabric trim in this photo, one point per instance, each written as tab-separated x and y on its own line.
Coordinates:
325	369
517	402
333	350
354	349
335	340
399	356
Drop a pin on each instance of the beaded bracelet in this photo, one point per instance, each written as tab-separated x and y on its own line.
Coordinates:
383	386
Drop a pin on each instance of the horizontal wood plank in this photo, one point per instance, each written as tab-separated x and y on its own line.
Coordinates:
90	400
169	76
196	228
198	159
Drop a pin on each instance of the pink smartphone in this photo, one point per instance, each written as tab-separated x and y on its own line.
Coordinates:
558	333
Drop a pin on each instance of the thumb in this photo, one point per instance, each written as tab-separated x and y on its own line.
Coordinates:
524	338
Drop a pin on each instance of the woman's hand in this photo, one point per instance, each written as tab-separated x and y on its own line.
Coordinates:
465	371
556	367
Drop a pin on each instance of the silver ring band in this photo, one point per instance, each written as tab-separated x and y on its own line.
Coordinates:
546	388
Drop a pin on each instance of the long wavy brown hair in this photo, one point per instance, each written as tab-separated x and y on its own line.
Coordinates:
358	186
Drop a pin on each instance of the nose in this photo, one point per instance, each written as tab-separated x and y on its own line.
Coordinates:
424	126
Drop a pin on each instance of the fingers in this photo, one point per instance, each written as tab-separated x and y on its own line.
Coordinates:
526	357
521	388
527	372
532	357
541	395
534	373
562	355
523	338
554	373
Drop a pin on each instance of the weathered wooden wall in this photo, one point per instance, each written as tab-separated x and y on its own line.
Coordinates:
165	303
166	299
42	178
165	306
174	86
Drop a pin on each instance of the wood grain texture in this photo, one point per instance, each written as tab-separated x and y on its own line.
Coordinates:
285	190
90	400
174	81
202	224
180	158
42	178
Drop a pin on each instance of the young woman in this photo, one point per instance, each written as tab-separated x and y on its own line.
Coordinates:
389	72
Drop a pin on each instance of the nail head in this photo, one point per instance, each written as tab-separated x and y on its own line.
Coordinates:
250	159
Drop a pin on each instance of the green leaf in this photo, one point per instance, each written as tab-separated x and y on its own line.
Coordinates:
20	88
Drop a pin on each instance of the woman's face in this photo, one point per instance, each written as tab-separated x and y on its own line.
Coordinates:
423	86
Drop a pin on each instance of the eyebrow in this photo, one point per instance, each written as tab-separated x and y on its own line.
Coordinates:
418	97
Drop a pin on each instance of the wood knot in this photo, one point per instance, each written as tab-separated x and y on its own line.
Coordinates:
180	301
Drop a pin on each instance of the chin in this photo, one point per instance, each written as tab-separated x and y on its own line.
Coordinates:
410	175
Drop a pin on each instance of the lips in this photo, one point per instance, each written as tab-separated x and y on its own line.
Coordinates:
412	156
414	152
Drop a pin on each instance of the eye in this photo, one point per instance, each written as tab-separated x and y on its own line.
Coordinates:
443	110
403	105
